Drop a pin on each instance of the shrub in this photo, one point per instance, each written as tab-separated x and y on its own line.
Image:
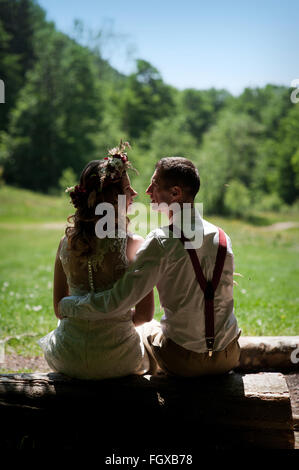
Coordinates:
67	179
237	200
269	202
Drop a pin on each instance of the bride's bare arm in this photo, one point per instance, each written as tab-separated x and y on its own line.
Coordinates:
144	310
60	287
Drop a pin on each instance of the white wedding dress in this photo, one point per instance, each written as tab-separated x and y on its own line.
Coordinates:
109	347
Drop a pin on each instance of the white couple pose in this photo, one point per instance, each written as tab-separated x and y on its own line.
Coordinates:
103	288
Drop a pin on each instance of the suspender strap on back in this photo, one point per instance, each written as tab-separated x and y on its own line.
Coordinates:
208	286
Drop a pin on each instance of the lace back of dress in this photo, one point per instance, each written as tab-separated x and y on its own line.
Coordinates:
99	272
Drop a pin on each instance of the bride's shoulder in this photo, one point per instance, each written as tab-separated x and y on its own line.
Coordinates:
62	242
134	242
135	239
62	248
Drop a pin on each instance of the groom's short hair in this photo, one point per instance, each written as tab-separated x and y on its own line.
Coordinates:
179	171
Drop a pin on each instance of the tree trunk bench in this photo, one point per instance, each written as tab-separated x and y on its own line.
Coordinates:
237	410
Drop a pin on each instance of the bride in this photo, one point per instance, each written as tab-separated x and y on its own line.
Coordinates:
110	346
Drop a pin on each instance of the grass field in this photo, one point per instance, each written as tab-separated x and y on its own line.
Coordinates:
266	298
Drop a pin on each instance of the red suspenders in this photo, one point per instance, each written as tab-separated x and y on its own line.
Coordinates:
208	287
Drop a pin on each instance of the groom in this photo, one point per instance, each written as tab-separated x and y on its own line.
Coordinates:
198	333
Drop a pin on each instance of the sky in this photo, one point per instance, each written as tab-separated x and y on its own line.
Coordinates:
200	44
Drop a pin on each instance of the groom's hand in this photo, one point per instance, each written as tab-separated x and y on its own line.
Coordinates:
66	305
86	307
77	306
58	316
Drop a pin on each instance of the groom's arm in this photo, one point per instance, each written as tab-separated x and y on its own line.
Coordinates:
137	282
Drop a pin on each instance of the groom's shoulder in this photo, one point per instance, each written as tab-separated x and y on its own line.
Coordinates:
157	237
162	237
211	232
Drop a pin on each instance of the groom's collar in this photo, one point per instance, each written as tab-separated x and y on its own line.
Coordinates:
187	217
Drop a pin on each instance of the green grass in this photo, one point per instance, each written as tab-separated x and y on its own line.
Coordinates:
266	299
267	296
21	206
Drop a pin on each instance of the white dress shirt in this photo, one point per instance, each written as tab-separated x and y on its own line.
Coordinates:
165	263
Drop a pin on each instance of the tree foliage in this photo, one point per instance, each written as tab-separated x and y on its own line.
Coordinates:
200	109
229	152
18	22
66	105
56	115
145	100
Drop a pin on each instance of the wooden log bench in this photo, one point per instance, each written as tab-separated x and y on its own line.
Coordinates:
247	408
152	413
269	353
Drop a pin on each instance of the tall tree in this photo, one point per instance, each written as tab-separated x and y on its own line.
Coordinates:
229	152
200	108
57	115
266	105
19	19
286	158
10	73
146	99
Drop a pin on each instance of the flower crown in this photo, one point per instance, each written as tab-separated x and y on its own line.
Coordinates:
110	170
115	164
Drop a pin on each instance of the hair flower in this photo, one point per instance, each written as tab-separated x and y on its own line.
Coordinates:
109	171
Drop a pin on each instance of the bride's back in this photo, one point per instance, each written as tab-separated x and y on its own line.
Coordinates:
87	260
108	262
110	345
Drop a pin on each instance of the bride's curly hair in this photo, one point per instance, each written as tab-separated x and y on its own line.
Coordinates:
95	186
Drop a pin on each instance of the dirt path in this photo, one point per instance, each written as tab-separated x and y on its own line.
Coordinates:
62	225
14	362
30	226
280	226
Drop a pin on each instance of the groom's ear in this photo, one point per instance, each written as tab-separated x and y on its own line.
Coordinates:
176	193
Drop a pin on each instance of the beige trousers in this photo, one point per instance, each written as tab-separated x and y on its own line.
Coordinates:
167	356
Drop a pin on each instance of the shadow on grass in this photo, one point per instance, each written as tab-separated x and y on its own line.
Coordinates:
257	220
252	219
